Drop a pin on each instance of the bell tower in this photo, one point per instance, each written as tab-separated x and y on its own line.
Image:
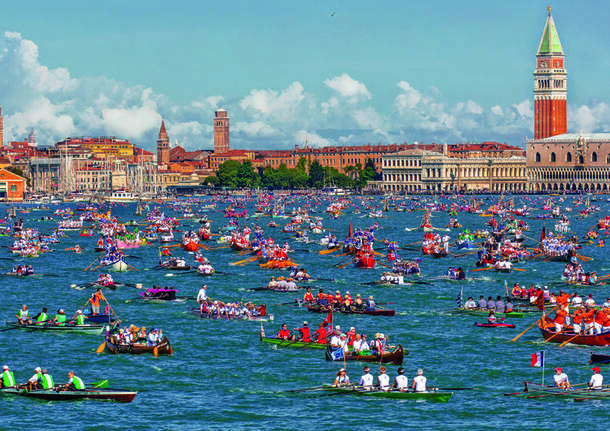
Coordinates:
550	84
162	146
221	131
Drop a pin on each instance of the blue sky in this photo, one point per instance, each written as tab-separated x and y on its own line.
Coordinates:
338	72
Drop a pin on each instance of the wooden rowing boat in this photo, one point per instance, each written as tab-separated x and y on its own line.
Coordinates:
319	309
395	357
597	358
296	344
543	392
163	348
260	318
89	394
546	324
433	396
484	313
53	327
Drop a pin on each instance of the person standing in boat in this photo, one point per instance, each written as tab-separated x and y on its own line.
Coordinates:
23	315
74	383
597	380
341	379
202	296
401	382
560	318
95	301
561	379
419	382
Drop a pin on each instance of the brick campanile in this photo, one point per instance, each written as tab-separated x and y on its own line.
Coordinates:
162	146
550	84
221	132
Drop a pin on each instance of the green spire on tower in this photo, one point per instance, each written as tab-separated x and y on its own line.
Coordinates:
550	44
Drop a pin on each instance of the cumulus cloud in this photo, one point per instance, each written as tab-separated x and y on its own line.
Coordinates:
348	87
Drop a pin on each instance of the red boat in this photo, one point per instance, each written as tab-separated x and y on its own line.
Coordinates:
547	328
365	261
191	246
494	325
204	234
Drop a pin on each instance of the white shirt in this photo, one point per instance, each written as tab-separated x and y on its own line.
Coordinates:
420	383
384	380
335	340
559	378
202	295
402	382
597	380
577	300
366	380
360	345
590	302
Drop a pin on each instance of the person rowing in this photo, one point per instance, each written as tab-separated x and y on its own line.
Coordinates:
74	383
401	382
561	379
470	304
42	317
308	297
597	380
303	333
419	382
383	380
321	335
34	381
7	378
284	333
23	315
60	318
366	380
341	379
370	304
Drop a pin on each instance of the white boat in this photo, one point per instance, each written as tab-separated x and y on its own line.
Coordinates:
122	196
119	266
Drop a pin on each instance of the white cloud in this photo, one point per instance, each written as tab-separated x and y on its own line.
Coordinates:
589	118
348	87
254	129
312	139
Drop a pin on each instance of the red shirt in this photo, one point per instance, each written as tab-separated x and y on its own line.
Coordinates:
284	333
308	297
305	334
560	316
321	335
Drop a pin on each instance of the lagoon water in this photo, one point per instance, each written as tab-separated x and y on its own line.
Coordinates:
222	377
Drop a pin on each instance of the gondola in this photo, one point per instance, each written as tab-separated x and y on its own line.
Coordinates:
53	327
296	344
395	357
163	348
597	358
546	324
318	309
86	394
432	396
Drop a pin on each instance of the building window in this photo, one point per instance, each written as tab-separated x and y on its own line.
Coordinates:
568	157
581	160
553	158
537	157
594	157
13	188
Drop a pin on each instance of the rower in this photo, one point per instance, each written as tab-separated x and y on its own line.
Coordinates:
379	344
492	317
560	318
360	343
351	336
308	297
342	379
304	334
491	305
320	336
383	380
401	382
470	304
577	318
561	379
42	317
509	306
284	333
597	380
60	318
74	383
419	382
500	307
34	381
370	304
482	304
366	380
7	378
516	291
23	315
153	337
46	380
291	285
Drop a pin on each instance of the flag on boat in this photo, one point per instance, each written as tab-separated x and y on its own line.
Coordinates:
538	359
459	298
329	318
337	354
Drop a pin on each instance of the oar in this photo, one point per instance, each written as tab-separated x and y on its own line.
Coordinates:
383	264
101	348
551	337
313	388
567	341
451	389
481	269
530	327
100	385
519	269
328	251
342	262
344	265
135	269
8	329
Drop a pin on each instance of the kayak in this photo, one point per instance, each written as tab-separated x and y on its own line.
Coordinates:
91	394
297	344
494	325
433	396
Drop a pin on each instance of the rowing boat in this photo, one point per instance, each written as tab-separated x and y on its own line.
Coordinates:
597	358
484	313
297	344
494	325
395	357
163	348
543	392
53	327
435	396
260	318
319	309
90	394
546	324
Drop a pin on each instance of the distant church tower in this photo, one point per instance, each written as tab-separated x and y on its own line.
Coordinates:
1	129
550	85
221	131
162	146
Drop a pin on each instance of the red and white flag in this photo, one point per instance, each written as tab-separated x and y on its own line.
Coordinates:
538	359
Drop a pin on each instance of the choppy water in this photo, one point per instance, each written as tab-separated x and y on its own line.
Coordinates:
221	376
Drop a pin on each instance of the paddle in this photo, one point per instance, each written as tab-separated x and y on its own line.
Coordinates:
519	269
100	385
328	251
101	348
481	269
567	341
8	329
383	264
313	388
530	327
451	389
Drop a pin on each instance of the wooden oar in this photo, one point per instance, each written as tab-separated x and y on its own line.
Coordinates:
328	251
567	341
101	348
313	388
242	262
344	265
530	327
551	337
519	269
482	269
383	264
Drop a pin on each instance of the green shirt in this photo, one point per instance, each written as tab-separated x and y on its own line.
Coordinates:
78	383
47	381
61	319
80	319
8	379
42	318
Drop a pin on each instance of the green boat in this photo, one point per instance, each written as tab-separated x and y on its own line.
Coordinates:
297	344
485	313
53	327
432	396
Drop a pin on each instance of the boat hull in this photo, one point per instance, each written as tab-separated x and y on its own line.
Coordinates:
296	344
83	329
88	394
437	397
163	348
395	357
583	340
